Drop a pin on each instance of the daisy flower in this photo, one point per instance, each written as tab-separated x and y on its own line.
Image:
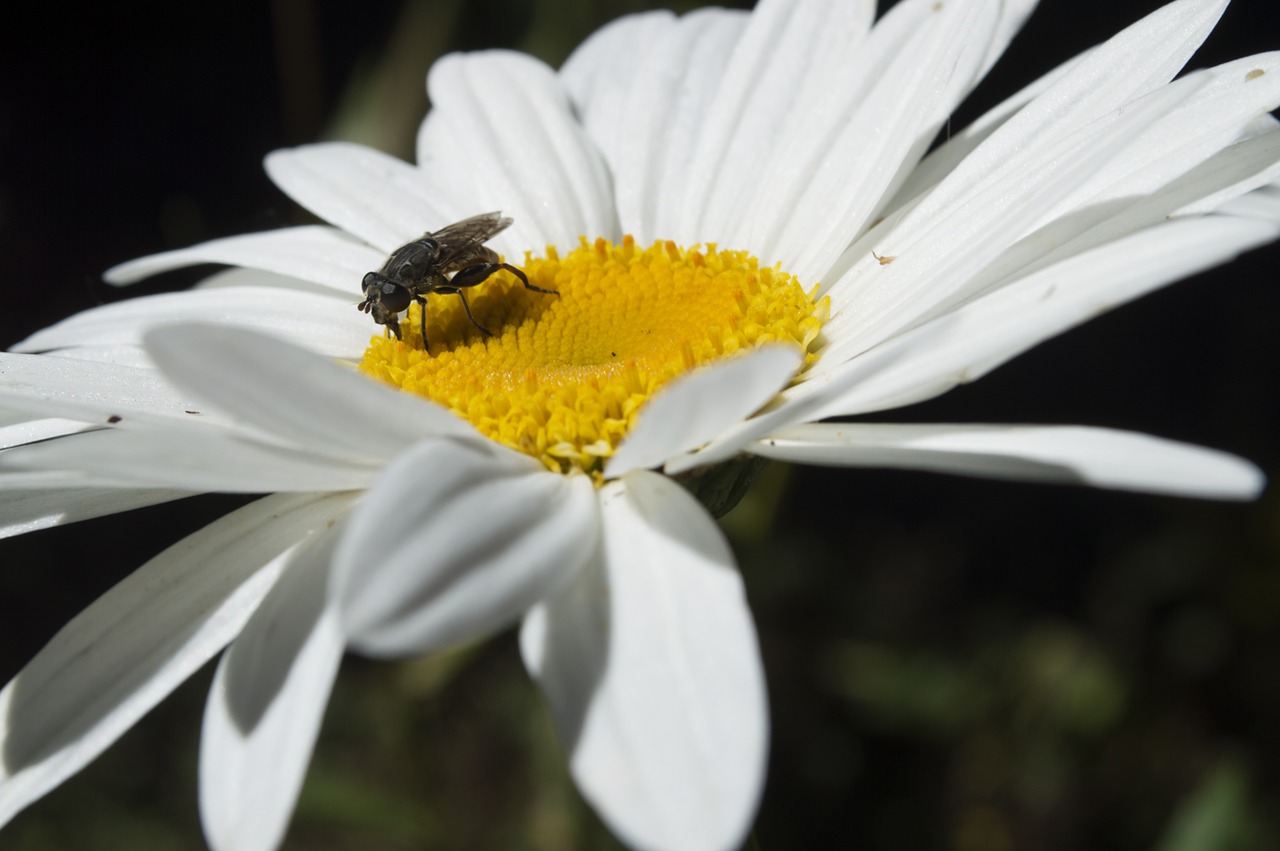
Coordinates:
737	232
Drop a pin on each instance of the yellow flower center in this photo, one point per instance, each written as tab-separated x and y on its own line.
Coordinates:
563	375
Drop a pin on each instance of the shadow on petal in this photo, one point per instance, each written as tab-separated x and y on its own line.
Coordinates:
256	670
565	643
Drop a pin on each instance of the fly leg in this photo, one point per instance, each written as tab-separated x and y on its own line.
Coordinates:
422	319
473	275
465	306
519	273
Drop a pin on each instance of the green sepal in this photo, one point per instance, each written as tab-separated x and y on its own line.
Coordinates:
721	486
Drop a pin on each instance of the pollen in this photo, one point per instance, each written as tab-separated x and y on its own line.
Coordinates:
563	376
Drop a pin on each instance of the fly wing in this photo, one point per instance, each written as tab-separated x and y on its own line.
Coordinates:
459	241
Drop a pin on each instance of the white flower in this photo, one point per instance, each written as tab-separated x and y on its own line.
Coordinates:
394	527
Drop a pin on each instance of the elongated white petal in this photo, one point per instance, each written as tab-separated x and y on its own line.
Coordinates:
1228	174
265	707
650	665
1134	62
116	354
943	159
367	193
1211	118
194	458
1098	457
315	253
782	56
502	135
700	405
603	67
27	511
9	417
455	540
833	175
1131	64
975	339
126	652
50	479
922	279
650	122
1263	203
90	391
326	325
294	397
1182	163
237	276
1222	103
1024	168
33	431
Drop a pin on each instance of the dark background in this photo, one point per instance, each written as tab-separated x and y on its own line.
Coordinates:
952	663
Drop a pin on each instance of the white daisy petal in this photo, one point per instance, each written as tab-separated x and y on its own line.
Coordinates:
245	277
701	404
944	159
89	391
652	121
987	332
194	458
880	300
783	57
1134	62
1262	204
605	65
1228	174
315	253
828	179
33	431
1107	83
28	511
326	325
367	193
115	354
122	655
265	707
293	396
10	417
456	540
1223	101
1220	110
651	668
1089	456
502	135
1216	197
40	479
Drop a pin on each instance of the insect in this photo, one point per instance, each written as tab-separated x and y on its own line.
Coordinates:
424	266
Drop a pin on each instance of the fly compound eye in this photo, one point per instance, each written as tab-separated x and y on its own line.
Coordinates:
393	297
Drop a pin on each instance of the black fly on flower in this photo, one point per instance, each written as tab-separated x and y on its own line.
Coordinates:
446	261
